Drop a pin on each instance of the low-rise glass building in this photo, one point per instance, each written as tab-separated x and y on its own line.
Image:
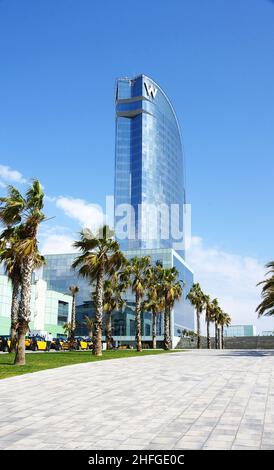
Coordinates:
59	276
240	330
50	309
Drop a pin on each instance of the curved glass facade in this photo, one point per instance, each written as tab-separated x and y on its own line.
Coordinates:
149	169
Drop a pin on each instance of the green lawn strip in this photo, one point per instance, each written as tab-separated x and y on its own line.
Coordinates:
44	360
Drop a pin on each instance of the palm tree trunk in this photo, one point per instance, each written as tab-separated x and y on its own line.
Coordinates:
208	334
219	339
170	330
222	337
14	314
216	335
138	323
20	357
73	318
24	310
154	338
167	328
108	331
198	330
97	350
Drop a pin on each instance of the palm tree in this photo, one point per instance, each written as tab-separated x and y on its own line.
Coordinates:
191	334
172	291
67	327
112	301
74	291
13	271
27	248
209	318
25	214
136	274
12	265
100	256
224	320
198	300
89	322
155	300
216	314
266	307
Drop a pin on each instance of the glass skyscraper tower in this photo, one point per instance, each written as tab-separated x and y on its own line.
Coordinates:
149	172
149	184
149	180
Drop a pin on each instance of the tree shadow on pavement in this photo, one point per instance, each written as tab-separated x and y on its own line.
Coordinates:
249	353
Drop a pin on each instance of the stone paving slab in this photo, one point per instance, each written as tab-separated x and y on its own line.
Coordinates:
183	400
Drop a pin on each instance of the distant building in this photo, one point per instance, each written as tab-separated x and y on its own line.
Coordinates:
50	310
267	333
239	330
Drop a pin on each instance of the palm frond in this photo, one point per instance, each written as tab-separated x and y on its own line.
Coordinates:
266	307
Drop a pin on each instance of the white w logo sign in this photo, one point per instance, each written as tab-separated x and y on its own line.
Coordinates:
151	90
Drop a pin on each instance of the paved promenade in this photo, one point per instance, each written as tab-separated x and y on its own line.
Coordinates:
184	400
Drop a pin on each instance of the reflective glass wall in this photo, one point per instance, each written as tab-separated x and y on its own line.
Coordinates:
148	162
183	312
59	276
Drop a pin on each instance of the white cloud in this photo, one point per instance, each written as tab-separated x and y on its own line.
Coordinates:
57	244
87	214
49	198
55	240
11	176
232	279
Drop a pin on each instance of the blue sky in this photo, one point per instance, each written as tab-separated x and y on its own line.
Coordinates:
215	59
